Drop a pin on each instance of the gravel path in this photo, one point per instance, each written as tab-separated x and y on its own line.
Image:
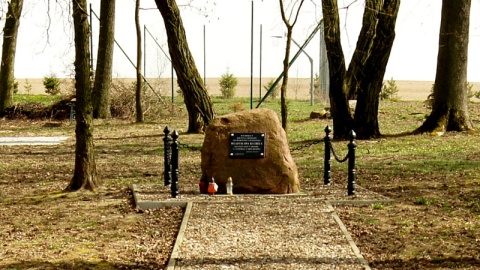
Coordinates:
265	233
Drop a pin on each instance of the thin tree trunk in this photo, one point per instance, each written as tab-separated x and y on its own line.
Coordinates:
197	101
286	60
10	32
103	72
450	94
85	175
283	87
139	86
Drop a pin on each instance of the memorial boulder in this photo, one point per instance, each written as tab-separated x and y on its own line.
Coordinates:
252	148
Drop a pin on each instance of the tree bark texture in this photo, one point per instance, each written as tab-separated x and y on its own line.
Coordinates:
339	107
363	48
85	175
364	78
103	72
450	94
373	69
196	98
283	87
10	32
139	85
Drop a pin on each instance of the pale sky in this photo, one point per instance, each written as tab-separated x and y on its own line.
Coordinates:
227	39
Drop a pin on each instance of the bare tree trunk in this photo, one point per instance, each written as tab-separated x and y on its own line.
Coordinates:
339	108
139	86
103	72
197	101
85	175
283	87
450	94
10	32
364	78
364	47
371	72
286	60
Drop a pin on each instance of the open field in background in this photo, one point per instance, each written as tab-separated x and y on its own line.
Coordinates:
299	88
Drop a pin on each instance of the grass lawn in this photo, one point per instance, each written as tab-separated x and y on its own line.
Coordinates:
434	222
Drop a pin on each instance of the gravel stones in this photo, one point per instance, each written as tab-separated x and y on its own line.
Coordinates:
265	233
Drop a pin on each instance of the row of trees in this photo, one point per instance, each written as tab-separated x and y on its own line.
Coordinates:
361	80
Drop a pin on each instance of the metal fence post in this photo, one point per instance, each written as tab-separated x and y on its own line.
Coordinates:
174	184
327	166
351	164
72	110
167	175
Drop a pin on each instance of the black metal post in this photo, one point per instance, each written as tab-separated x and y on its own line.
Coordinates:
72	111
251	63
167	174
174	185
351	164
327	166
204	57
260	69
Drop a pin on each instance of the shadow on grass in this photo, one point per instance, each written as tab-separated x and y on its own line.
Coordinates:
159	135
78	264
270	261
423	263
399	135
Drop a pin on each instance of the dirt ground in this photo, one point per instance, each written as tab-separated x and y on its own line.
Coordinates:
434	222
43	228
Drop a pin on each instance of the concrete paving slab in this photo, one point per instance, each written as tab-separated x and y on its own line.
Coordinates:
37	140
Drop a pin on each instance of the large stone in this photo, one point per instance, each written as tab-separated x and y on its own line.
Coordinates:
275	173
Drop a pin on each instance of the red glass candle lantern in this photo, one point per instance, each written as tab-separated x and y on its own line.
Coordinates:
212	187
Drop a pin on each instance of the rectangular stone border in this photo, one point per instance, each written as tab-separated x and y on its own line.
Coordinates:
349	238
188	204
178	242
35	140
144	205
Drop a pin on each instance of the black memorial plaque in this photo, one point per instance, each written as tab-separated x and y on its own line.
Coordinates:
247	145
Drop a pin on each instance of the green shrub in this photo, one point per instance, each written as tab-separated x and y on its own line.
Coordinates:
316	88
389	90
15	87
424	201
52	84
470	94
228	82
27	86
274	93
